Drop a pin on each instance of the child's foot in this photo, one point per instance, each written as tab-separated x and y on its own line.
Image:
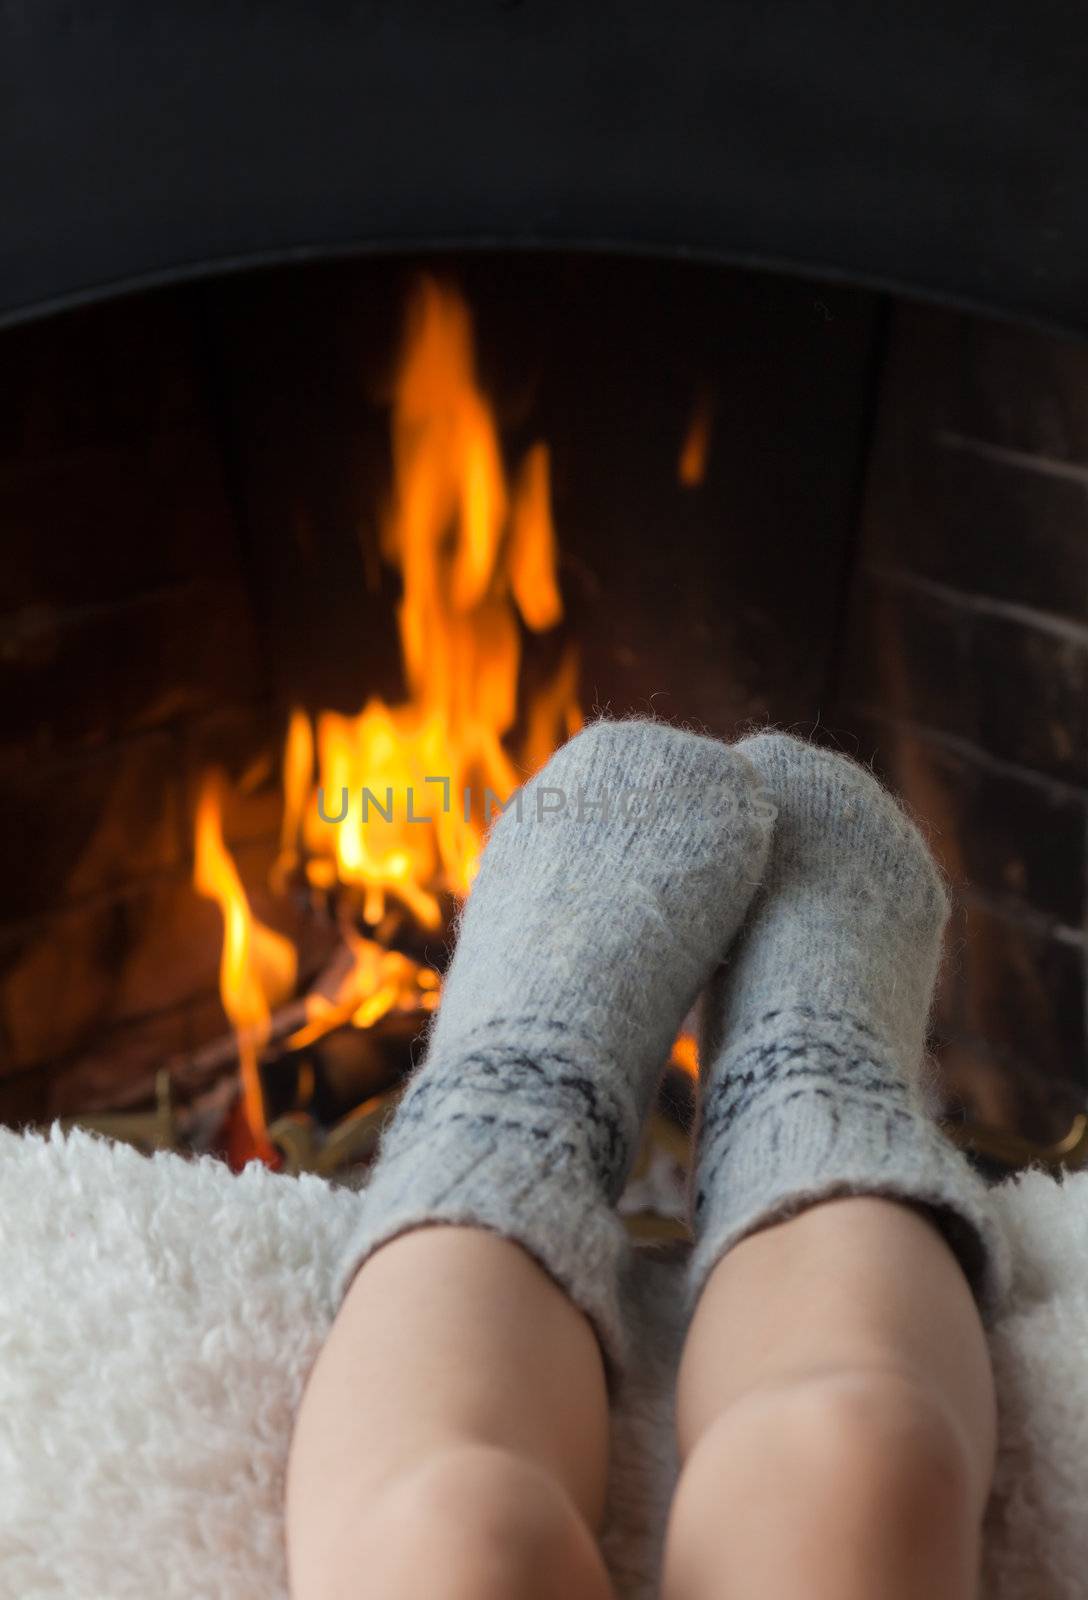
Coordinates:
605	897
813	1052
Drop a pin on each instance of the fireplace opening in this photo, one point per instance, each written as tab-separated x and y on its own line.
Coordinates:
399	525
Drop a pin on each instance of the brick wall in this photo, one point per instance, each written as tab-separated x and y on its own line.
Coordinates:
128	658
966	677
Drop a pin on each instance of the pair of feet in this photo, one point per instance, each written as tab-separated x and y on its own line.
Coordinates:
609	894
834	1406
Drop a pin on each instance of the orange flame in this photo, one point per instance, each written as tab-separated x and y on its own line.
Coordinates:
685	1055
257	967
379	981
298	778
474	557
477	561
691	468
533	551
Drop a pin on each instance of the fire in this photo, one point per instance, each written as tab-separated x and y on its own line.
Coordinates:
477	559
685	1054
477	556
257	967
379	981
691	467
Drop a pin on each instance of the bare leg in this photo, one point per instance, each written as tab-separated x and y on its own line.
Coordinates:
836	1409
452	1441
836	1417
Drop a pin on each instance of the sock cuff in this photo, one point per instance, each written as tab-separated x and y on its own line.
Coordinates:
530	1190
550	1087
791	1154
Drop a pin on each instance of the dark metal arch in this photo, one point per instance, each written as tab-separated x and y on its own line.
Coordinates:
938	150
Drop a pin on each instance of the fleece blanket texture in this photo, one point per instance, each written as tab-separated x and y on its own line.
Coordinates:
158	1318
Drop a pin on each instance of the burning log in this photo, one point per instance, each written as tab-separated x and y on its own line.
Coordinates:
346	1039
477	558
201	1068
346	1064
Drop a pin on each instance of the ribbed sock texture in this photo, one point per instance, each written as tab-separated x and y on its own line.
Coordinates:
589	931
813	1047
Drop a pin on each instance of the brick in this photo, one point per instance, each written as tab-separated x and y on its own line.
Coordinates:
78	973
98	822
992	829
117	1071
981	1088
1031	692
908	653
71	977
87	677
983	526
976	502
96	527
1025	996
1017	691
77	530
100	376
1009	386
124	596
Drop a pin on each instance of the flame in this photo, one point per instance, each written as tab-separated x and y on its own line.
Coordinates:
685	1055
257	967
393	803
691	467
377	982
533	553
477	559
554	715
298	776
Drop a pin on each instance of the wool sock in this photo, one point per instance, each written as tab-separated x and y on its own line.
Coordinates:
815	1079
605	897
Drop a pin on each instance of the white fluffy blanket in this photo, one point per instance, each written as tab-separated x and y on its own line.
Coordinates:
158	1318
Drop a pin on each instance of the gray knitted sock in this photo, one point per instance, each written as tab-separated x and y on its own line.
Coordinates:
814	1035
588	933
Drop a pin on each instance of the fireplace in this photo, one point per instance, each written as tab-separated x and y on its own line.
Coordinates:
774	499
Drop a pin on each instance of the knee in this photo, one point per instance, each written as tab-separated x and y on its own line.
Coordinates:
865	1444
888	1441
475	1522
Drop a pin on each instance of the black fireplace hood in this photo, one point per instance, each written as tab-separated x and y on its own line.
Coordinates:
942	151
